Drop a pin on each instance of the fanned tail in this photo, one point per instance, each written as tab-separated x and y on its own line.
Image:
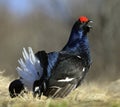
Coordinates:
29	69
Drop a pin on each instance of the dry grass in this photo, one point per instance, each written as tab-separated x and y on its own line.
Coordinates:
88	95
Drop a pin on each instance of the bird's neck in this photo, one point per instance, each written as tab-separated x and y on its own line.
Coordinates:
78	44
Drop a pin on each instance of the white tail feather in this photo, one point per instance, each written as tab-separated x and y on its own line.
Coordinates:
29	69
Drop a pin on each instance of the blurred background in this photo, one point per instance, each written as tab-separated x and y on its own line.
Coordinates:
46	25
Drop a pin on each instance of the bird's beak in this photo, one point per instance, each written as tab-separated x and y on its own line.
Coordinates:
90	21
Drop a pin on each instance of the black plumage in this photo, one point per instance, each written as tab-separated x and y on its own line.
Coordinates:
15	88
72	64
66	75
61	72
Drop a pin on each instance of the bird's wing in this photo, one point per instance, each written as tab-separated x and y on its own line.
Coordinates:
29	68
65	75
48	61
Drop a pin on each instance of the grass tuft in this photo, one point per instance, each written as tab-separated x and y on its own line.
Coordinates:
88	95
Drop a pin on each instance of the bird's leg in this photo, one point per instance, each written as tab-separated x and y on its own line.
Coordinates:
36	88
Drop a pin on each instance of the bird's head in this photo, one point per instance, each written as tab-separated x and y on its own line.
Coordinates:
83	24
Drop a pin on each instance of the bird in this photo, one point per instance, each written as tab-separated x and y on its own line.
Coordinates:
55	74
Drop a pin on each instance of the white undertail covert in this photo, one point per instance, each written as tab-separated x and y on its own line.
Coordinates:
29	68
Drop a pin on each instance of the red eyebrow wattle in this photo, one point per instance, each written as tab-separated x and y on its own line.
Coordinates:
83	19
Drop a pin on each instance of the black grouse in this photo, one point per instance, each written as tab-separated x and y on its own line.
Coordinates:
55	74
